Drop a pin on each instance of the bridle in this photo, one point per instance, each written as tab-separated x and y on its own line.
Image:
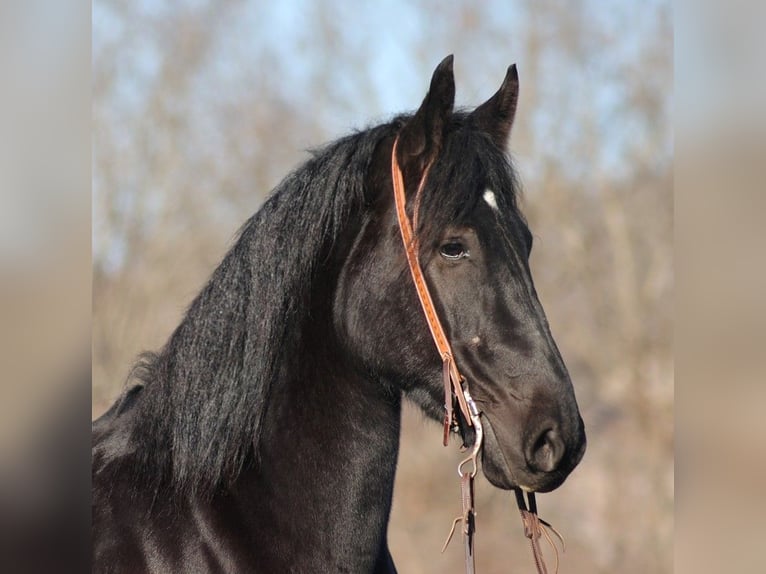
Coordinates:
456	392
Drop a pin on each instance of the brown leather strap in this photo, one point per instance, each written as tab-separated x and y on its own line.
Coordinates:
455	386
453	380
469	521
534	528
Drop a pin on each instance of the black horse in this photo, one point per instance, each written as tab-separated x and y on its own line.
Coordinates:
263	437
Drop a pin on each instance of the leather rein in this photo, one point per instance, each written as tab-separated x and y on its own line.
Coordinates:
456	392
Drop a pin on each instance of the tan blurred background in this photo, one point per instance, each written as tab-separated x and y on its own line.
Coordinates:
200	108
721	271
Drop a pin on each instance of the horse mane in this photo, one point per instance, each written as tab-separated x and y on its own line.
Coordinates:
205	393
198	404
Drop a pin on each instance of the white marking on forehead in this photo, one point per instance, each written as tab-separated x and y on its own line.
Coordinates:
489	197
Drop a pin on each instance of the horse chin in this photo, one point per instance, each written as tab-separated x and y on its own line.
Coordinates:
494	463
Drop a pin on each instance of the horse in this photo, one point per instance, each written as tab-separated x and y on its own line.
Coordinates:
263	436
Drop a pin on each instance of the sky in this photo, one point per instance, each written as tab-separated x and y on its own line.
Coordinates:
392	38
391	49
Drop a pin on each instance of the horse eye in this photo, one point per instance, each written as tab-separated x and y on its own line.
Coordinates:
453	250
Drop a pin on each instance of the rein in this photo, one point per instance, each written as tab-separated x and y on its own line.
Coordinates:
456	393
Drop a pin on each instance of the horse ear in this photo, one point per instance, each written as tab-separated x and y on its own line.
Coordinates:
495	116
421	138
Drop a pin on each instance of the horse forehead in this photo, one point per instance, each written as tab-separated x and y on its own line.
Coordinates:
490	199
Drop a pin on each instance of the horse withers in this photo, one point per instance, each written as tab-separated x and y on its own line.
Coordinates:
245	444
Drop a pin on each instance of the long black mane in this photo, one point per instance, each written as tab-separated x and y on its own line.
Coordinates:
204	395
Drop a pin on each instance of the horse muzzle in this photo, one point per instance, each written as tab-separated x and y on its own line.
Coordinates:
537	460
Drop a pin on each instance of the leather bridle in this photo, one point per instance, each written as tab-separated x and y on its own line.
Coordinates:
456	392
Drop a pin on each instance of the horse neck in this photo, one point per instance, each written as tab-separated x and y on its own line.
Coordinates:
327	457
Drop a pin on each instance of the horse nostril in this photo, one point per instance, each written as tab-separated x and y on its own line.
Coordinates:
546	451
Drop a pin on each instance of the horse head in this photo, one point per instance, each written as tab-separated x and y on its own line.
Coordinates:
474	246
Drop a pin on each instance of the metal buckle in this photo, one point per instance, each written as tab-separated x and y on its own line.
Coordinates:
476	420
